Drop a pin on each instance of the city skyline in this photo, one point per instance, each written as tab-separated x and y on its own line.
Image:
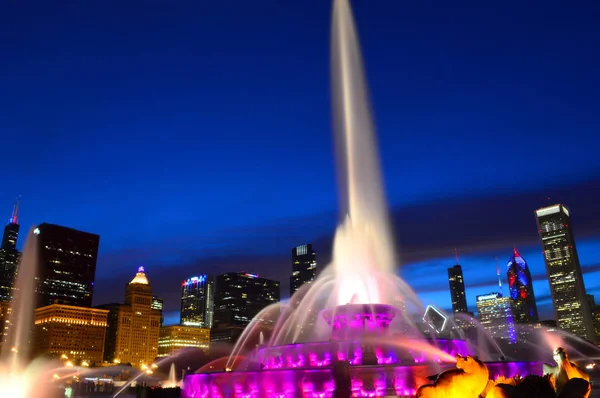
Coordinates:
211	200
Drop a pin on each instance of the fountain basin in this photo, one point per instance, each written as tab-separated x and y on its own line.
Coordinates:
367	381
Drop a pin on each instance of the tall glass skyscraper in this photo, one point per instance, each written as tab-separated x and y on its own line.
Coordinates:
520	286
239	297
304	267
197	301
9	256
457	289
564	271
67	265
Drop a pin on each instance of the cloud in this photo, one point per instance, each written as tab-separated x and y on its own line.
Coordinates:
426	235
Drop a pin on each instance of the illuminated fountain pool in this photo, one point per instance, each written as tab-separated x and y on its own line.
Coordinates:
358	311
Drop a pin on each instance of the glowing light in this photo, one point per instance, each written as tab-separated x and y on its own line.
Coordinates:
195	279
36	231
141	269
250	275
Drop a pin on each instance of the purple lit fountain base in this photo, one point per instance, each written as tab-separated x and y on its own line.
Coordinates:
383	364
367	381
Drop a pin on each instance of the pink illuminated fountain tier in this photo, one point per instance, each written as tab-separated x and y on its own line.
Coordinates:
358	312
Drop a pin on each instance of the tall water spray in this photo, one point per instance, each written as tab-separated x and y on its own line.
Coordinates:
363	246
16	378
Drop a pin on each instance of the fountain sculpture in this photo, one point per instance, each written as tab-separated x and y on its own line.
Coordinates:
357	311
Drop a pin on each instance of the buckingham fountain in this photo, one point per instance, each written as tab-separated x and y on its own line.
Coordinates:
349	333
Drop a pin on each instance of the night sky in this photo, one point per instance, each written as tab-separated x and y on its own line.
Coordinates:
195	136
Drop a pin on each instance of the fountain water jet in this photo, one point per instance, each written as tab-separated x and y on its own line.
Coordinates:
16	376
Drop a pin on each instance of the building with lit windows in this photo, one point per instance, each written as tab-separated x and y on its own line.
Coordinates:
567	288
197	301
304	267
175	337
520	286
5	312
457	289
9	256
67	259
495	315
77	333
239	297
157	304
138	327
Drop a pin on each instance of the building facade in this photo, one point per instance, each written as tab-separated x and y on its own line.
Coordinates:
67	265
496	316
520	286
567	288
138	325
110	342
75	332
5	316
304	267
197	301
457	289
158	304
9	256
239	297
176	337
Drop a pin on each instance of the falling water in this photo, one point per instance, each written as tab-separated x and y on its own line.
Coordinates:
16	343
363	244
16	378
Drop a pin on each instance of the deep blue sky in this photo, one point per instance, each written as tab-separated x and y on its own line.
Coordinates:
195	136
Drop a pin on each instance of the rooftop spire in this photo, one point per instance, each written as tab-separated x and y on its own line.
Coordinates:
515	252
14	218
456	255
498	273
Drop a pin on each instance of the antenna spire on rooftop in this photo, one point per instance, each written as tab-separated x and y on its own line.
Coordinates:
498	273
14	218
456	255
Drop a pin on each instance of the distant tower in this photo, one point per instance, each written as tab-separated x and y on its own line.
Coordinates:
9	256
304	267
521	290
157	304
564	271
457	288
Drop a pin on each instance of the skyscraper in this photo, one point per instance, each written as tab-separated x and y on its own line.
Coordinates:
564	271
457	289
157	304
520	286
239	297
197	301
9	256
304	267
138	325
67	259
496	316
